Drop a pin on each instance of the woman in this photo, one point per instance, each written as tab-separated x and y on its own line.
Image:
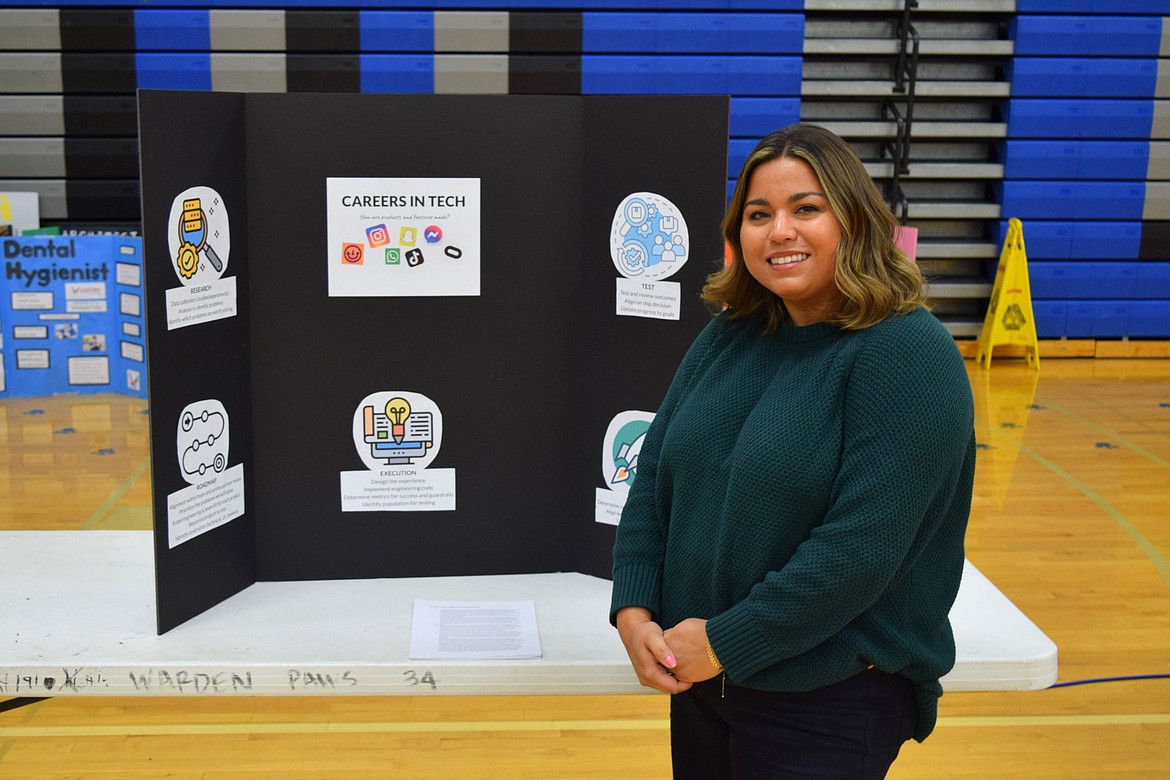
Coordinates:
790	551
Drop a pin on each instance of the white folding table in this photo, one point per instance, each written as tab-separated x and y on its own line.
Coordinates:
77	618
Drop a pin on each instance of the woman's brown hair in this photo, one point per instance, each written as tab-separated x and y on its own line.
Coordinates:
874	277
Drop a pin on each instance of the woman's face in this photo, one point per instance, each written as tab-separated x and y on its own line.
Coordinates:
789	236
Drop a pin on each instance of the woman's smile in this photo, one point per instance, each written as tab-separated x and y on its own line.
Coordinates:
789	236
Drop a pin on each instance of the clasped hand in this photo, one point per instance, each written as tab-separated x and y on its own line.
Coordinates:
669	661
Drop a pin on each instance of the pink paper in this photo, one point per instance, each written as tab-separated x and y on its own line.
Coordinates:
906	239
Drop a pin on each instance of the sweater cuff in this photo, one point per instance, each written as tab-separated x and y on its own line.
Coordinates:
635	586
738	644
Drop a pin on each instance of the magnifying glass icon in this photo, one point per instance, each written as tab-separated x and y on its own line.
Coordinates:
193	231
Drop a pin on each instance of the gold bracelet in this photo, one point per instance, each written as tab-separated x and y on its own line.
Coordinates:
711	656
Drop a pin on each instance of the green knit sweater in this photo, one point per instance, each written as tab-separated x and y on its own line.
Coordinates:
807	493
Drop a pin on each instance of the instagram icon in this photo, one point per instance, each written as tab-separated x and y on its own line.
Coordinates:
377	235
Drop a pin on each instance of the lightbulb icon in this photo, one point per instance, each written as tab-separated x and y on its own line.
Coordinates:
398	409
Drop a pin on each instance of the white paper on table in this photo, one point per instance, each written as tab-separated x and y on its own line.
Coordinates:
474	630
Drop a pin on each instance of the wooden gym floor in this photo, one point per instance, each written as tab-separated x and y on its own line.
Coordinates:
1071	521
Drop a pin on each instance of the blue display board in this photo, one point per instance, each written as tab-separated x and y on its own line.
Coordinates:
71	313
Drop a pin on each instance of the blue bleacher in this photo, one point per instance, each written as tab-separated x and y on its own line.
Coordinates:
1101	279
1051	318
397	31
1101	319
1078	240
172	29
1075	159
692	33
737	151
1096	118
755	117
1084	80
1148	319
603	74
637	5
1096	319
1083	36
379	73
402	73
1161	7
157	70
1101	200
1048	77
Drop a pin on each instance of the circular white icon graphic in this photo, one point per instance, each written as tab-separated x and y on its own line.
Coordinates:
621	447
202	440
397	428
648	238
198	236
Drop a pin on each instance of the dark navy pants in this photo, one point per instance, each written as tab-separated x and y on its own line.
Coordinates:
851	730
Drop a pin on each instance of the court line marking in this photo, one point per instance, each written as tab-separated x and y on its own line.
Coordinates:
112	500
1105	432
1142	541
152	730
993	721
27	712
1144	544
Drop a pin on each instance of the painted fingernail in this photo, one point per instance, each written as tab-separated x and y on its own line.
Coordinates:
670	661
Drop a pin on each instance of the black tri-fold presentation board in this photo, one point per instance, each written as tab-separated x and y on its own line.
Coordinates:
412	335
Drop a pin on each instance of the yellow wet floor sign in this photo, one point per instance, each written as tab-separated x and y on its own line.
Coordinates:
1009	317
